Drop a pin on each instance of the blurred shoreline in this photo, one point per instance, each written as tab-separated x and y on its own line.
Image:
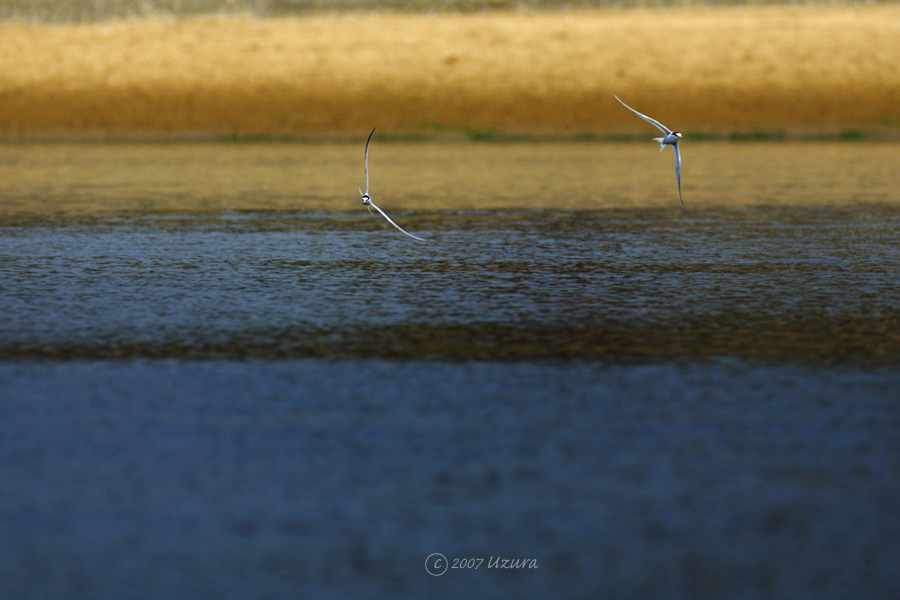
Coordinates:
714	73
98	11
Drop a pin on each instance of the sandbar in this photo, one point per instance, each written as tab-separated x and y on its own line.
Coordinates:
711	71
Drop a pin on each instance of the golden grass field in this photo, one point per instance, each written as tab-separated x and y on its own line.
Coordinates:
797	70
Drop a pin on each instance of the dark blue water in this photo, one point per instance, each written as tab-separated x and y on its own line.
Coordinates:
273	405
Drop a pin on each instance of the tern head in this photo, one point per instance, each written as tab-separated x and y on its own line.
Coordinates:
364	198
677	134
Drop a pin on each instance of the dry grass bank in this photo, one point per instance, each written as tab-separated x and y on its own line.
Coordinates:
800	70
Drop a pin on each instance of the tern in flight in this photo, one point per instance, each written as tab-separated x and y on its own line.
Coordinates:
670	138
367	201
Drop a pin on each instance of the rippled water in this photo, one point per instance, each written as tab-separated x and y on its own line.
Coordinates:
238	393
803	283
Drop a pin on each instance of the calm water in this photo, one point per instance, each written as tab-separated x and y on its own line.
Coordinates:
216	387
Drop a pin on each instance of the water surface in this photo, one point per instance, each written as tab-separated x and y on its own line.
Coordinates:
41	180
782	283
221	377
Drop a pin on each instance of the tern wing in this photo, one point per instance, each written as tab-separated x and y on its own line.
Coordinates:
391	221
678	170
367	158
650	120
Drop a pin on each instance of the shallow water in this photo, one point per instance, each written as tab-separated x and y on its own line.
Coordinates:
232	391
84	180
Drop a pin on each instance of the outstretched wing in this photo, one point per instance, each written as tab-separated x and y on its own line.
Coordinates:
650	120
391	221
678	170
367	158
